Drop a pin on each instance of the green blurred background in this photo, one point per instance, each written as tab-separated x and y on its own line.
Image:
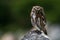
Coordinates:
15	14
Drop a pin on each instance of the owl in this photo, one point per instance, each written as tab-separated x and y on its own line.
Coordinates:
38	21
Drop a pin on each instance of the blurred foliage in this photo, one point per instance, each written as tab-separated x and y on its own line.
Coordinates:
15	14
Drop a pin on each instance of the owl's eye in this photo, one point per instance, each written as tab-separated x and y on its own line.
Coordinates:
33	11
